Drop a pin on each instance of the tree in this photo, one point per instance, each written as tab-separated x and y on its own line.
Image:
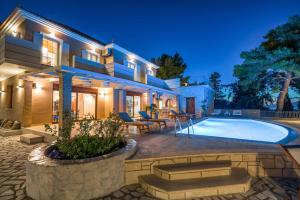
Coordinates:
171	67
215	83
255	96
278	57
288	106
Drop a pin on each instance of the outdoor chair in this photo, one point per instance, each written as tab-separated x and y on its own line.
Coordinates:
146	117
216	112
128	121
182	115
237	112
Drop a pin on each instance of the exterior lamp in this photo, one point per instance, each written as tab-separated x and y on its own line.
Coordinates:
2	91
20	86
102	93
14	32
52	34
37	86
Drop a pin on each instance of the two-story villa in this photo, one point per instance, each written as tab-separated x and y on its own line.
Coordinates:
47	68
38	55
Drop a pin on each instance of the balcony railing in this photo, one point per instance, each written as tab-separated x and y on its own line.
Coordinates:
120	71
156	82
82	63
20	51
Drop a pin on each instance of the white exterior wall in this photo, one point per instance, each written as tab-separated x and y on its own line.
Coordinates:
200	93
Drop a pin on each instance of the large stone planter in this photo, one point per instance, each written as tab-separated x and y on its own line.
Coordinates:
76	179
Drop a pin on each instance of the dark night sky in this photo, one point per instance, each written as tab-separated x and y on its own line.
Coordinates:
209	34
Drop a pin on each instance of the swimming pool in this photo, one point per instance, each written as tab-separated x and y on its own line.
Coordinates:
244	129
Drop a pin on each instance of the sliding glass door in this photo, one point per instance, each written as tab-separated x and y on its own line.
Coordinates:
82	105
133	105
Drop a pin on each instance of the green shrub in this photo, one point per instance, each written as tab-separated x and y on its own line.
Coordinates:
93	138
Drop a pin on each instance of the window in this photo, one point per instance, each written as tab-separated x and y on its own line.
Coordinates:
9	96
92	57
50	52
131	65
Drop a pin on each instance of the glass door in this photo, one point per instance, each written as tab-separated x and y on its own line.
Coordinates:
136	105
129	105
86	105
133	105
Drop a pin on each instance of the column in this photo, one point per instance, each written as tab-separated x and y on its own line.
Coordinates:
122	100
115	100
27	107
149	97
179	103
65	99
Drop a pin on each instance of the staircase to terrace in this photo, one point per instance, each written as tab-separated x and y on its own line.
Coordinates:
191	180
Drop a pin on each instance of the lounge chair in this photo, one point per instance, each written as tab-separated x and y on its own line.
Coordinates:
128	121
237	113
180	115
227	113
146	117
216	112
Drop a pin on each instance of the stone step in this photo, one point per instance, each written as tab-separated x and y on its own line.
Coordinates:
238	182
193	170
31	138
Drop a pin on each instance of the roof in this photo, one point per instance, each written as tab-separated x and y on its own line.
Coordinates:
63	26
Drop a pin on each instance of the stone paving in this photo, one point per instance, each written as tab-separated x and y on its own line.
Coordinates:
13	155
261	189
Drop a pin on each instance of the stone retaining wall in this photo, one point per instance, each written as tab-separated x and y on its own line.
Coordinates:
257	164
76	179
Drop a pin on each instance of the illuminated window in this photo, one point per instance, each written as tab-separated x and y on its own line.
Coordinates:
50	52
92	57
131	65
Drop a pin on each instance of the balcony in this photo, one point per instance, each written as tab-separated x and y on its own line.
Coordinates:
120	71
22	52
82	63
156	82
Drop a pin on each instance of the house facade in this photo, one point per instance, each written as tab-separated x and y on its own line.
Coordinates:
47	68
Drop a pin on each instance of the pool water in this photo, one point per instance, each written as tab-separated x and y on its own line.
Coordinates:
244	129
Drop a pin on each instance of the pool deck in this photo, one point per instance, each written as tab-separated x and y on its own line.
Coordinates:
165	144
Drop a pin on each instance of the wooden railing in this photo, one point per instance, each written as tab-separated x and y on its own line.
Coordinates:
280	114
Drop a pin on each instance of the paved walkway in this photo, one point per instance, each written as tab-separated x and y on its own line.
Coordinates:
261	189
13	155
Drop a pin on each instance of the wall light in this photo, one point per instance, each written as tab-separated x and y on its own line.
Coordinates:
37	86
102	93
93	49
14	31
52	34
20	86
131	57
2	91
52	79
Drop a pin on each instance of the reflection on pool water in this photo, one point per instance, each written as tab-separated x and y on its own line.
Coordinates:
244	129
